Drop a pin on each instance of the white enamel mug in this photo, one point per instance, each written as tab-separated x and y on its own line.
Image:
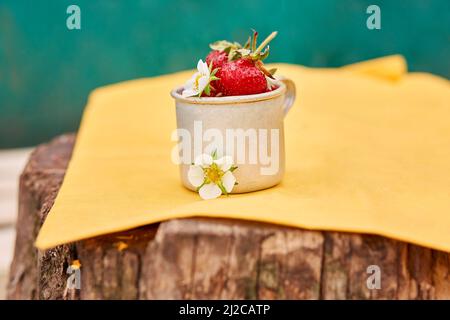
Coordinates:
248	128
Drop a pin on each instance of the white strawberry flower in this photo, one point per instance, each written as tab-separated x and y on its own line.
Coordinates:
200	81
211	176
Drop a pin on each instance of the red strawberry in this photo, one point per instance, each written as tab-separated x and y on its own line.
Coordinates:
241	77
240	69
217	58
245	73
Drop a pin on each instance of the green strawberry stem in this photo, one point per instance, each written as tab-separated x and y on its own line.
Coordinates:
255	39
248	43
265	42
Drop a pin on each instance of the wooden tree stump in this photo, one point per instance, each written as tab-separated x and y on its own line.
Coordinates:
209	258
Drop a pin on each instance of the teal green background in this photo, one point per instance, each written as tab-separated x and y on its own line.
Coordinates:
47	71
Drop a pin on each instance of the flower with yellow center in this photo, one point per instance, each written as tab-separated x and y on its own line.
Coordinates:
200	81
211	176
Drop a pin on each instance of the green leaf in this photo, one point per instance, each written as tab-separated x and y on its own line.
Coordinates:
234	56
226	46
220	45
207	90
244	52
214	71
264	54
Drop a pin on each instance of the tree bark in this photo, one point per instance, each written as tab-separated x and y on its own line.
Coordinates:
209	258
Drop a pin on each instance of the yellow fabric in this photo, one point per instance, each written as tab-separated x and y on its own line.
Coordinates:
368	150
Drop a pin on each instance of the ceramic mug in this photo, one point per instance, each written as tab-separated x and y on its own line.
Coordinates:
249	128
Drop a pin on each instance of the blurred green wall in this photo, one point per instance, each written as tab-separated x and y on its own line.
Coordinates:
47	71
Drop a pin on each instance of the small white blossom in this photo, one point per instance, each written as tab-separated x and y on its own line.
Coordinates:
212	177
199	82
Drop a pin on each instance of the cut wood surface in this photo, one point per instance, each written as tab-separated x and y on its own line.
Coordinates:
209	258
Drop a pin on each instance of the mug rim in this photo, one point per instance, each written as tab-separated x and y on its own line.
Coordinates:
230	99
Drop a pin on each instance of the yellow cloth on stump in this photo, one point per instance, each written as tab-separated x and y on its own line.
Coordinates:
367	149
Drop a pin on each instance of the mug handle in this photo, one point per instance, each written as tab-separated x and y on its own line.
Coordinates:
290	94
